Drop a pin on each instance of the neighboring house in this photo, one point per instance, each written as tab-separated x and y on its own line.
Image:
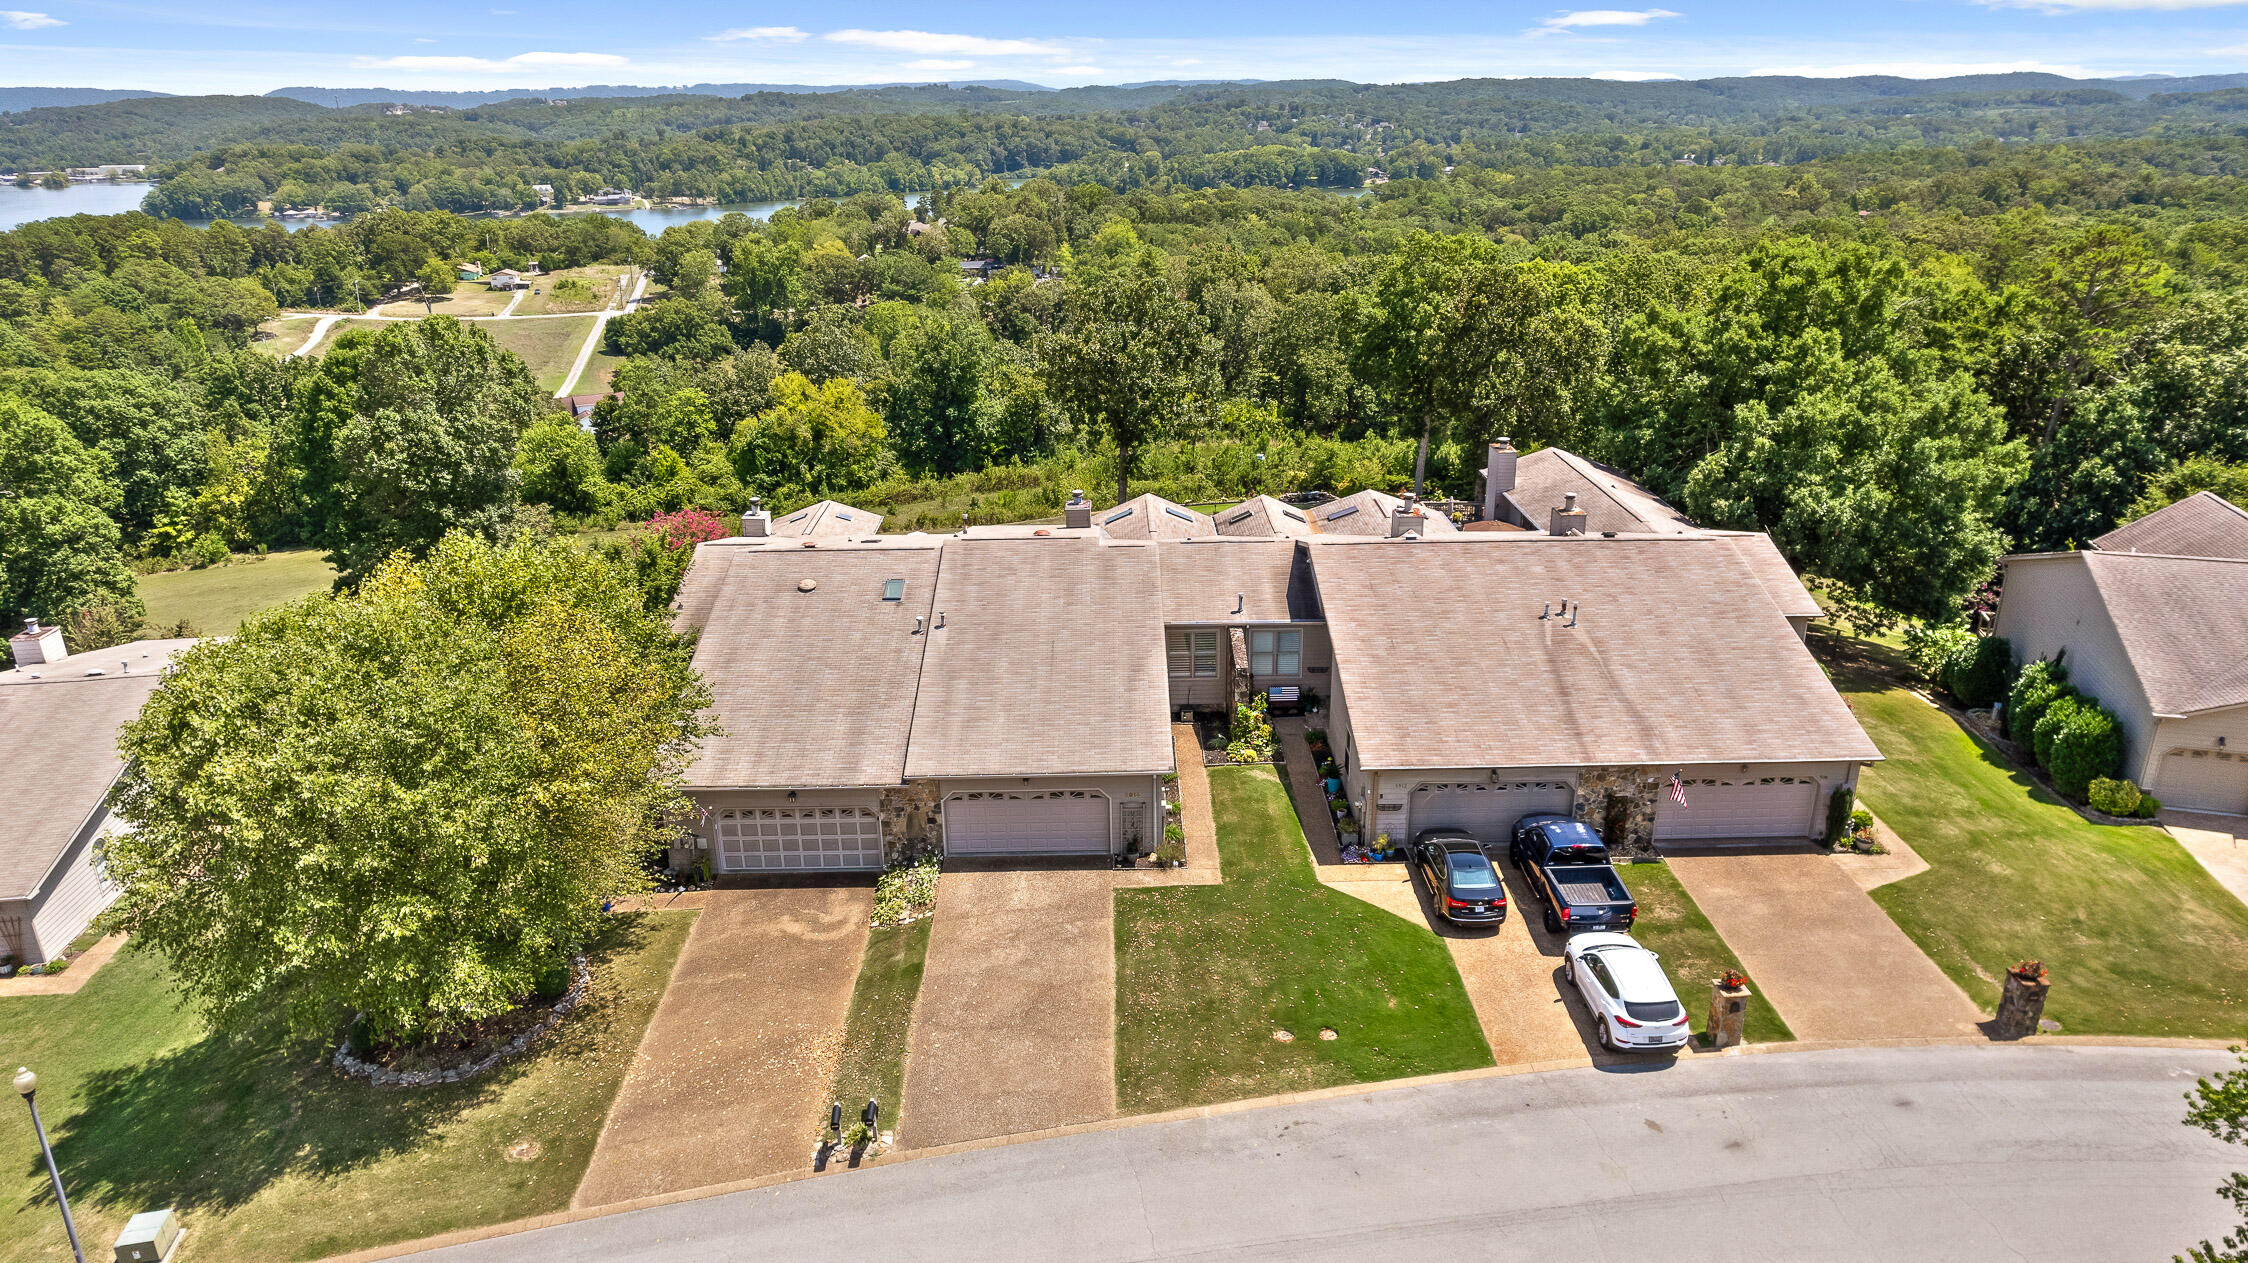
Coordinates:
65	710
470	271
1008	690
2158	637
612	197
505	278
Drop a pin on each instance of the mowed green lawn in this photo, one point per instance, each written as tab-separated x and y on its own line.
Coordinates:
271	1155
2139	938
548	347
1672	926
216	599
874	1036
1206	974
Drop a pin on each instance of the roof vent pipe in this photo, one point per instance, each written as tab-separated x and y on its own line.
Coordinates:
1498	476
1240	602
1077	515
940	618
917	622
1573	613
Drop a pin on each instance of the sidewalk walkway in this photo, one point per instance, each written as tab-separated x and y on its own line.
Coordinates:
738	1060
1821	950
79	972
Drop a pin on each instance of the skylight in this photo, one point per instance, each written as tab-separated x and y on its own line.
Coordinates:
1117	516
1292	513
841	516
1180	514
1340	514
1243	516
893	589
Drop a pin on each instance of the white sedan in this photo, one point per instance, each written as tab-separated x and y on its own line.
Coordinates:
1631	999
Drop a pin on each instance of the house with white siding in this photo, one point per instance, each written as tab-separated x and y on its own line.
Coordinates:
62	712
2152	621
1009	690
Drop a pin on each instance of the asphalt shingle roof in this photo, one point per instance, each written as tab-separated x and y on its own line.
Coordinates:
62	750
1153	517
1611	501
1368	512
1780	581
2201	525
1678	655
1263	515
1204	579
827	518
2184	623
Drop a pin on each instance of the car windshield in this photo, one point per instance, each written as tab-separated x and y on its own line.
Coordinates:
1659	1011
1471	872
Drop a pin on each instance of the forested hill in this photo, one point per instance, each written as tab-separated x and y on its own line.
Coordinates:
1365	118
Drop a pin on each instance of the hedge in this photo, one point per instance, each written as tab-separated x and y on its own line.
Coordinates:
2050	721
2038	685
1979	673
2087	744
2112	796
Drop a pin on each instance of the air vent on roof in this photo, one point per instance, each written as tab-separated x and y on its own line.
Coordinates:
1118	516
1180	514
1243	516
1340	514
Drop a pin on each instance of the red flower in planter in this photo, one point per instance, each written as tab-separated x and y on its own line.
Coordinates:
1732	980
2030	971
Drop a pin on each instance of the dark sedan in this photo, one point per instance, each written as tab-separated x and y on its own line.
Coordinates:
1462	882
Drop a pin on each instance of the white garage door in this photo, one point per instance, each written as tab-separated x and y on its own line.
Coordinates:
1062	822
1487	812
2205	780
797	839
1726	809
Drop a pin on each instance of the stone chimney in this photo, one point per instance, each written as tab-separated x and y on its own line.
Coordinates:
757	523
1406	516
1568	519
1498	476
35	644
1077	515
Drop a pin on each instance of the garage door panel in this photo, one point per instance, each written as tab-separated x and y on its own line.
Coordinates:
797	839
1488	812
2205	780
1723	809
1058	823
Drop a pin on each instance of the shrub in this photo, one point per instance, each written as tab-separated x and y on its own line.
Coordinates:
1979	672
2037	686
2049	724
1173	832
1172	852
905	892
1839	804
2113	797
1929	648
2148	805
553	982
2087	744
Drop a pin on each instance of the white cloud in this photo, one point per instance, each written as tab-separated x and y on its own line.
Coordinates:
937	63
2110	6
772	34
424	39
1926	69
520	61
931	43
23	21
1564	22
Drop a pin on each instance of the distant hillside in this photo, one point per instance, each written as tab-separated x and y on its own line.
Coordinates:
13	99
467	100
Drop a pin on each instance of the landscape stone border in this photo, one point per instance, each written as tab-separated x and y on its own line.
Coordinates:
1980	723
384	1077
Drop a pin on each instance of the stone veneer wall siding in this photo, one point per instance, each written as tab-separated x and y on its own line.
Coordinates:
912	822
1240	684
1638	788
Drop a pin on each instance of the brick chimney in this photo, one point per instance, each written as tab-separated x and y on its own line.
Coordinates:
1077	515
1568	519
35	644
757	523
1498	476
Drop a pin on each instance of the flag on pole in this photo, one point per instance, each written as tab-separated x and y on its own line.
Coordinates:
1678	789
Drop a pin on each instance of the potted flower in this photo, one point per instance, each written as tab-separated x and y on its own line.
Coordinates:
1732	980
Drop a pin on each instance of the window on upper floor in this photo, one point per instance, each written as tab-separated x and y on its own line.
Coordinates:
1193	652
1276	652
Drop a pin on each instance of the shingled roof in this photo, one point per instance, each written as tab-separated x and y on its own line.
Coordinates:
1368	513
828	518
1611	502
62	718
1678	655
2204	524
1264	516
2183	622
1153	517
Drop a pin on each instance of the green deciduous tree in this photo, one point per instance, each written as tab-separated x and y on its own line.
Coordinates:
2220	1107
410	801
60	552
937	371
1131	361
816	440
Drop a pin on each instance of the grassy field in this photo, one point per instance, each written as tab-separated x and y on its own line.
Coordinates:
215	599
1206	974
288	334
595	379
268	1154
469	298
548	347
2139	938
604	277
1673	927
873	1062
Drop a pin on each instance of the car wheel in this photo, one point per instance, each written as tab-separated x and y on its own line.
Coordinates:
1552	922
1606	1044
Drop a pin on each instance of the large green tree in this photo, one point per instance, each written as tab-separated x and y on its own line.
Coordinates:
410	801
1131	361
937	372
60	552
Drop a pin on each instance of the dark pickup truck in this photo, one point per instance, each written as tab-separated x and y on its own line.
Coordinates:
1565	865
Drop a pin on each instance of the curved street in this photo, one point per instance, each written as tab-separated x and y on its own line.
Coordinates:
2052	1153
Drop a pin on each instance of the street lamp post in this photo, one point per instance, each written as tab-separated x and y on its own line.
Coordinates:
28	1084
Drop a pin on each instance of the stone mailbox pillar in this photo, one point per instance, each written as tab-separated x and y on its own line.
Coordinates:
2022	1004
1728	1014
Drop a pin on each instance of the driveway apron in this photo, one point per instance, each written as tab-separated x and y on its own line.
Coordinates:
1015	1030
738	1061
1821	951
2219	842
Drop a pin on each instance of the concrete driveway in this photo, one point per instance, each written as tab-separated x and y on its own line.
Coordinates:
740	1056
2219	842
1015	1030
1821	951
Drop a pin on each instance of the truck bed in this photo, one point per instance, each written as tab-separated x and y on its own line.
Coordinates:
1584	892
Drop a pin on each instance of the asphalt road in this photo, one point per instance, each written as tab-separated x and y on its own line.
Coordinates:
1920	1154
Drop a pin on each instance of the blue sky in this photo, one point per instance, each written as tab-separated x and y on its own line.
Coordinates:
254	46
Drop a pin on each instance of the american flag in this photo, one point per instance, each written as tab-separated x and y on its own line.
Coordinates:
1677	789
